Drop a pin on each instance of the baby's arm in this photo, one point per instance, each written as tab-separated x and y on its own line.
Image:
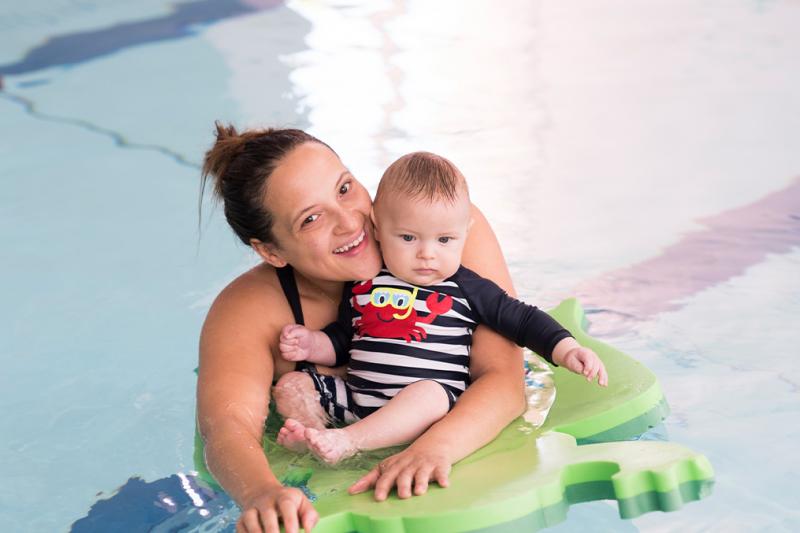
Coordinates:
529	326
298	343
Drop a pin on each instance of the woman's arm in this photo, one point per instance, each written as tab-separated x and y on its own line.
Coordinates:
235	375
495	397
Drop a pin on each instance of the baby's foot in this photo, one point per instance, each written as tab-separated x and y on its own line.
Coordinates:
293	436
330	445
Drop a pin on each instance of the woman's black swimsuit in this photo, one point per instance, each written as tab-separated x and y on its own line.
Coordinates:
289	286
334	400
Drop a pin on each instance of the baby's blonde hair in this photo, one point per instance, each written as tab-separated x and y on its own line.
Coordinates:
423	176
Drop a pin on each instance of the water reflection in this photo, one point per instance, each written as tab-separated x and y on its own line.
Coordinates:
731	242
177	503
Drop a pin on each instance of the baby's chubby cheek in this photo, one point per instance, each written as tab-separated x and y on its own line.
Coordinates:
398	266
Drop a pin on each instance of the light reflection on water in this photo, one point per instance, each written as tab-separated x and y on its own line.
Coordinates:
642	156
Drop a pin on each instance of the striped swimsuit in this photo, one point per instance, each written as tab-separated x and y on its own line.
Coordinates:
392	334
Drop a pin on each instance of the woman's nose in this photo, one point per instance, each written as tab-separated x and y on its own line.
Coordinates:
349	221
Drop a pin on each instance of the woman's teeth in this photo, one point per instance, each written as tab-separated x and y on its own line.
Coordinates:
346	247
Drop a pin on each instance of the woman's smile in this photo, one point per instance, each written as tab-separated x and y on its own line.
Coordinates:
354	246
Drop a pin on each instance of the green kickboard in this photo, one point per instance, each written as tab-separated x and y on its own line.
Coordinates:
527	478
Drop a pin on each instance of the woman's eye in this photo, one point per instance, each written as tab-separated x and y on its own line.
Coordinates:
444	240
407	238
344	188
309	219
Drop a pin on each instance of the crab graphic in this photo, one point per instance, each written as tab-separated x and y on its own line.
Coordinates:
390	313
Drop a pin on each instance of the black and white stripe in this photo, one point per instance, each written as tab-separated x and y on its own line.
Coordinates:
379	368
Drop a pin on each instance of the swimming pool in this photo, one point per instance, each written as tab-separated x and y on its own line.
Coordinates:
644	157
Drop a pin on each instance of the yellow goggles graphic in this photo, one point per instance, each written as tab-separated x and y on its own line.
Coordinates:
398	298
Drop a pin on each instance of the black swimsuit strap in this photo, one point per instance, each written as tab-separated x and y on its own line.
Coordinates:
289	286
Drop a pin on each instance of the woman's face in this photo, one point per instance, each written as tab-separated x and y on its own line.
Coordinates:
321	216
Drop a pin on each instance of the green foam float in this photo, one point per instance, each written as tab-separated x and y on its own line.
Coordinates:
526	478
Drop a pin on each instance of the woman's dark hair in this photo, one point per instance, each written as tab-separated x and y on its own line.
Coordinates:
240	165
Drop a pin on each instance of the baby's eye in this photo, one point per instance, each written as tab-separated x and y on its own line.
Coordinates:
407	238
309	219
345	188
444	240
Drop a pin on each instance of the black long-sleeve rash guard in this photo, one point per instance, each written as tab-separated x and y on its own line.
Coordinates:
476	300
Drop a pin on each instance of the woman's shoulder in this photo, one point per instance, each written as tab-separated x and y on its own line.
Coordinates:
253	297
482	253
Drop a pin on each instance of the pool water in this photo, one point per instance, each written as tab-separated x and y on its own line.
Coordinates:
643	156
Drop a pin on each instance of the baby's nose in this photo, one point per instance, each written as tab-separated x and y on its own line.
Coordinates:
425	251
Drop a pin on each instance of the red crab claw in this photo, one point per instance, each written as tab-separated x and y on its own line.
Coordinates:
362	288
437	306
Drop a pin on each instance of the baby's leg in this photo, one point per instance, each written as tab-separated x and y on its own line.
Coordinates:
403	419
297	400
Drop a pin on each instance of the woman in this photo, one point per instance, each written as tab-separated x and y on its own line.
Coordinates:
288	196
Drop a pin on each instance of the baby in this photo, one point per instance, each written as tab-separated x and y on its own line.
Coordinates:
406	334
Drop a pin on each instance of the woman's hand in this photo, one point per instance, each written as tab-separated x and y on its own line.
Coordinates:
288	504
412	468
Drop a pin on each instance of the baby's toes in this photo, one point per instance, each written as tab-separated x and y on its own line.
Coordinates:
292	424
311	435
316	441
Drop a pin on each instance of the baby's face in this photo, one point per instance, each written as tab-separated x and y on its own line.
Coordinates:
421	241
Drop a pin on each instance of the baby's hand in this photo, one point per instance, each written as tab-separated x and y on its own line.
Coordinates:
296	342
584	361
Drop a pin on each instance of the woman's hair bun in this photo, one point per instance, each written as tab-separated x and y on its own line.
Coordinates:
229	144
223	131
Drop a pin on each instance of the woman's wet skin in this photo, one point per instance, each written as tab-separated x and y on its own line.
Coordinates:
321	211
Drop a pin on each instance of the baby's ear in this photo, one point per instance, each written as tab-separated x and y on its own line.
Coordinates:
374	224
